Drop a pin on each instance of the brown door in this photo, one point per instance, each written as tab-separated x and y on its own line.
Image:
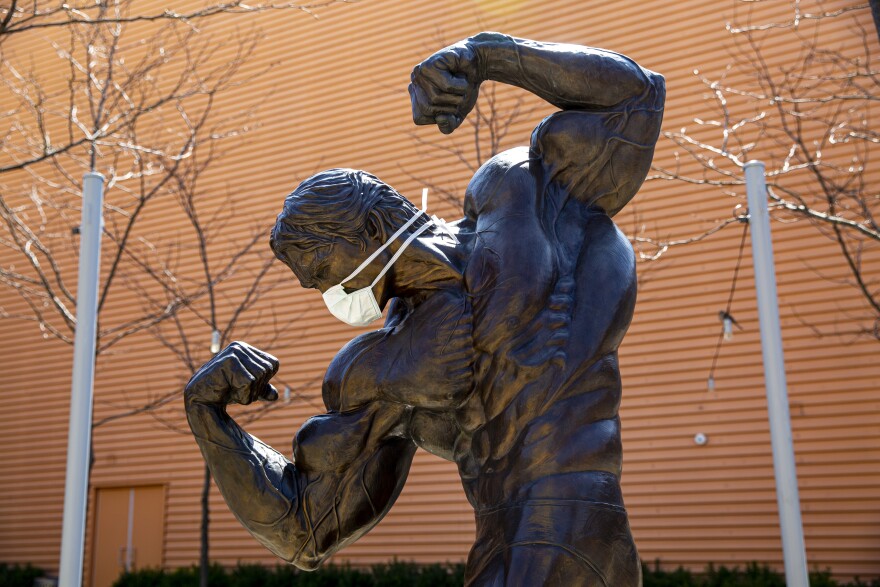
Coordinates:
128	531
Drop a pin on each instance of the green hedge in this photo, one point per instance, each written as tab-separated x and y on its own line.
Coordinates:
754	575
18	576
387	575
411	575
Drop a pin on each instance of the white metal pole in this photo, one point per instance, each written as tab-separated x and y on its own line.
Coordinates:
79	434
787	499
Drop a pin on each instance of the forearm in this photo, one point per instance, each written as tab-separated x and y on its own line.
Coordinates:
259	484
567	76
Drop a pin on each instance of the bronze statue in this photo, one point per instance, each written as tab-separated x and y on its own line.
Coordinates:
499	350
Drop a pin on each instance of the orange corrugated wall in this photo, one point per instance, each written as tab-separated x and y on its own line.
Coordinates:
338	99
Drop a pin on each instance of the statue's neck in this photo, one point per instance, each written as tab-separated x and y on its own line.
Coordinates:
435	262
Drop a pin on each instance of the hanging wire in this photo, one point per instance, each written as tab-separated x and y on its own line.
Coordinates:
742	244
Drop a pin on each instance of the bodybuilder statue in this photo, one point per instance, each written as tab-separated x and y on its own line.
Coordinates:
499	350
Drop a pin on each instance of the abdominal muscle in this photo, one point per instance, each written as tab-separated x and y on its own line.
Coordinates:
547	443
557	435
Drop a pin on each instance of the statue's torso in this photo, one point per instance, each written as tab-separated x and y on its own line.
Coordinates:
544	312
552	295
547	294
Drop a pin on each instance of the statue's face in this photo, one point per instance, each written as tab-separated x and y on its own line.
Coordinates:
327	266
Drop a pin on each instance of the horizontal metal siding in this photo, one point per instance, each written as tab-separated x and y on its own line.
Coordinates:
338	98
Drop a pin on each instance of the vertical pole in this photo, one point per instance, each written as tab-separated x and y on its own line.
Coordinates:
787	498
129	533
79	434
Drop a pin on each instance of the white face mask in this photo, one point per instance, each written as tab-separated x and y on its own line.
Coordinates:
360	308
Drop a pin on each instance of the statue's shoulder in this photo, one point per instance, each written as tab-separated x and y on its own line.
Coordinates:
501	184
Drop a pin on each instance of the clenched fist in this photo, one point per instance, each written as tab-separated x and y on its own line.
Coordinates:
239	374
445	86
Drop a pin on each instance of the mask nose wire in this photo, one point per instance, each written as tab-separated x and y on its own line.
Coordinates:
387	243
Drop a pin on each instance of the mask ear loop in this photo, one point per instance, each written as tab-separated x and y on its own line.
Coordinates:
391	239
399	252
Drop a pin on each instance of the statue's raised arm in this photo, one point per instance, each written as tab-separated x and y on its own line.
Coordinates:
571	77
599	149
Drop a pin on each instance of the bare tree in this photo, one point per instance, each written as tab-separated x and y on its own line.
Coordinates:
236	275
132	106
21	17
226	290
215	315
133	110
143	112
808	117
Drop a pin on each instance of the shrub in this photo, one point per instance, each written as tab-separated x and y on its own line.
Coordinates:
18	576
754	575
395	574
400	574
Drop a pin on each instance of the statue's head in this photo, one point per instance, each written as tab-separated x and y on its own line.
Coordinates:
333	220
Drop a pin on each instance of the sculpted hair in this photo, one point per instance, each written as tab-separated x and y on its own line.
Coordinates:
339	203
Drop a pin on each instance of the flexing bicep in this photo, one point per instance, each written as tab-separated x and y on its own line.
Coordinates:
351	468
601	157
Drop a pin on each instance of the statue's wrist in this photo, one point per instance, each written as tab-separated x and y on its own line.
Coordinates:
489	50
196	401
206	419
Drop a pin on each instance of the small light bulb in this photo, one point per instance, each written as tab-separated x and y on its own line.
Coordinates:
728	328
700	439
710	384
287	393
215	342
